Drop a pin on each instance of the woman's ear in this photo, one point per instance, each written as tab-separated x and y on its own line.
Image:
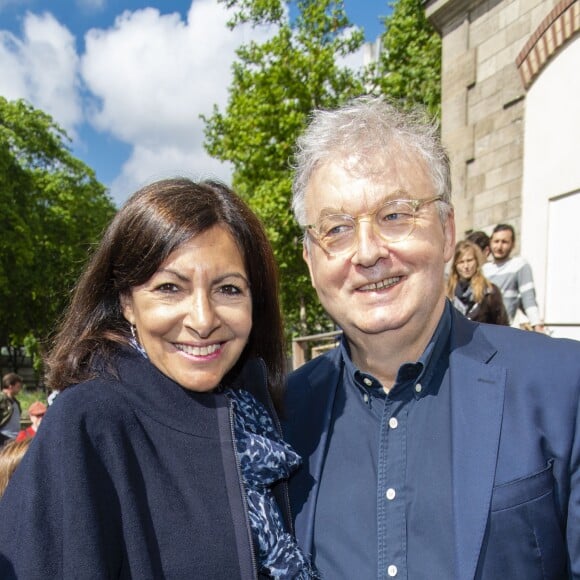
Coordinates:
127	308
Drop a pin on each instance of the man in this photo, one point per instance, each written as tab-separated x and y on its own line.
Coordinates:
482	240
36	412
434	447
513	276
9	407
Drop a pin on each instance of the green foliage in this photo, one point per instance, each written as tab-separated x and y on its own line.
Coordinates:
53	209
32	348
275	87
26	398
409	68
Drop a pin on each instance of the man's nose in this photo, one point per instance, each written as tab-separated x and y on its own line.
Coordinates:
369	245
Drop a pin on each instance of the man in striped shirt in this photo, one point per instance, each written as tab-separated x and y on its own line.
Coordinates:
513	276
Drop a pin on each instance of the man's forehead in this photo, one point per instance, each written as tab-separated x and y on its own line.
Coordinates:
368	203
373	165
350	180
502	234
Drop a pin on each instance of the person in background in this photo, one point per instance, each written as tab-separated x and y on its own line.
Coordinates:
513	276
433	446
161	457
10	457
10	409
36	412
468	289
481	239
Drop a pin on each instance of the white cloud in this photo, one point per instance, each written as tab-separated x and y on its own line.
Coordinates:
356	60
144	81
152	76
149	164
41	67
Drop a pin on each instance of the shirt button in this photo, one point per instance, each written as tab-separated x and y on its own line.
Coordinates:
391	493
392	570
368	382
366	398
418	388
393	423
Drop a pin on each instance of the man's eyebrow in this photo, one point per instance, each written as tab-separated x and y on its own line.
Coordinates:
393	196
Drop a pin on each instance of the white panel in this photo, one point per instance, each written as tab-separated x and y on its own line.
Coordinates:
550	227
563	264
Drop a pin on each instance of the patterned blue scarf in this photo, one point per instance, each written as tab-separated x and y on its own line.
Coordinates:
264	459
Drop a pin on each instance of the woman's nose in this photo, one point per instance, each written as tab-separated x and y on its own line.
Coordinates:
202	316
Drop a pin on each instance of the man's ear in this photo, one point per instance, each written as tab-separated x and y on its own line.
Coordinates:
127	308
449	235
306	254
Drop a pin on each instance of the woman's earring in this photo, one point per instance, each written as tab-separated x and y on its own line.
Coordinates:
135	341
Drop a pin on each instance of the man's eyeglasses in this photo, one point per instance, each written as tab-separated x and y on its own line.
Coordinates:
393	222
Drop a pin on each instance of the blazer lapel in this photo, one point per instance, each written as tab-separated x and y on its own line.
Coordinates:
477	395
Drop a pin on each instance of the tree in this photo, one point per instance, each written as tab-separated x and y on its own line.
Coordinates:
409	67
275	87
53	210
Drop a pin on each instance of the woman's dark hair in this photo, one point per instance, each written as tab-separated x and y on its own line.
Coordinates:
153	223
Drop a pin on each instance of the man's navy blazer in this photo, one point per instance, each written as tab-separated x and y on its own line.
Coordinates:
515	450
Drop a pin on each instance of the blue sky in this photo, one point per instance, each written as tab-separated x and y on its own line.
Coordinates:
128	79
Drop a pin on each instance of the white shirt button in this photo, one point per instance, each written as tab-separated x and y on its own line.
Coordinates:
392	570
368	382
418	387
366	398
391	493
393	423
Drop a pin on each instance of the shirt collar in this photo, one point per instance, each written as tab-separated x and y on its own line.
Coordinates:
410	373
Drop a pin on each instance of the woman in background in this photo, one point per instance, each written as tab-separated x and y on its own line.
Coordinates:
161	457
10	457
471	293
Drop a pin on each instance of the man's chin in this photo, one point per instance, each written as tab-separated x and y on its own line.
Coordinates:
379	327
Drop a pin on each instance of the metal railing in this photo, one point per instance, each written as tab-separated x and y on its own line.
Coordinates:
305	348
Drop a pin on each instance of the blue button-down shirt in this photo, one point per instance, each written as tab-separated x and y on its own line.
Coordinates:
384	506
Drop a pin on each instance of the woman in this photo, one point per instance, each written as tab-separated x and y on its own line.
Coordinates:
472	294
10	457
156	459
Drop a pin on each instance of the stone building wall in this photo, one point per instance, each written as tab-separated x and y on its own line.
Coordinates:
483	103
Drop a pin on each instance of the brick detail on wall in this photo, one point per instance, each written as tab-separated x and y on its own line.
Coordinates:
557	28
